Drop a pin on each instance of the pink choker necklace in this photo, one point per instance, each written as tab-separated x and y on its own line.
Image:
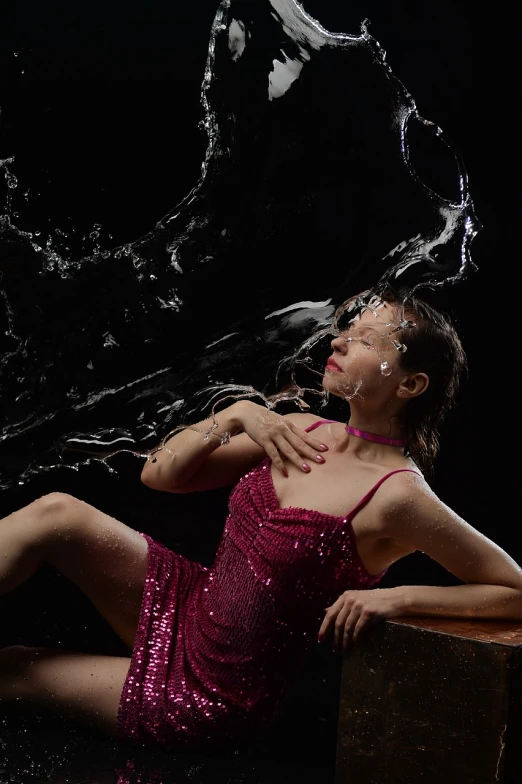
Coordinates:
354	431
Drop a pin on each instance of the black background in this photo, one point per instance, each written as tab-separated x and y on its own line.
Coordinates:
100	108
103	124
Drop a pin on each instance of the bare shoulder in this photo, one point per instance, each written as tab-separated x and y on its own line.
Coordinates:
416	518
409	510
303	420
402	493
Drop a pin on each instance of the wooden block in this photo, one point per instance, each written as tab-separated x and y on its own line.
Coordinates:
432	701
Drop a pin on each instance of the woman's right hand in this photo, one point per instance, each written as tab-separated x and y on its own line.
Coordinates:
278	436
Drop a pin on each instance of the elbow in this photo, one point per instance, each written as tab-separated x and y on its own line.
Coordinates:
147	482
149	477
152	478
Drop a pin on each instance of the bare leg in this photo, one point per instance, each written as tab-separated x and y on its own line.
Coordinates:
84	687
106	559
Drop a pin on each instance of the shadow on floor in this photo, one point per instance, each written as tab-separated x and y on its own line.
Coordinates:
38	747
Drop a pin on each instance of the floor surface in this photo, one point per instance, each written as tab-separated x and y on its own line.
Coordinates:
40	748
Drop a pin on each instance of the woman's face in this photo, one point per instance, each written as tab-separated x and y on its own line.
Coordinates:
366	351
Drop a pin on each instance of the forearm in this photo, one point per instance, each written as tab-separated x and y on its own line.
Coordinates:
457	601
177	460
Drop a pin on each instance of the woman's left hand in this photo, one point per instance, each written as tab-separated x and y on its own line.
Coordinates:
354	611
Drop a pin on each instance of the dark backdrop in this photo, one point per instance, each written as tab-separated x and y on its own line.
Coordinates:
100	107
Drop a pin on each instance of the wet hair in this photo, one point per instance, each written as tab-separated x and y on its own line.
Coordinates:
432	347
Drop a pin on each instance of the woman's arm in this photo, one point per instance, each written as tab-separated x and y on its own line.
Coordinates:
456	601
189	462
493	579
354	612
410	512
173	464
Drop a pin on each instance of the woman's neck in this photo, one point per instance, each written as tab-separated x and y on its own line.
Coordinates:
384	426
378	432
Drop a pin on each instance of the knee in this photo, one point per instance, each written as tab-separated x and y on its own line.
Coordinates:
55	505
54	515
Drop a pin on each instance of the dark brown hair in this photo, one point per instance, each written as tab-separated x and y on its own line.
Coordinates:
432	347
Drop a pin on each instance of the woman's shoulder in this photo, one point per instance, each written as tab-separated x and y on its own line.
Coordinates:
305	419
405	485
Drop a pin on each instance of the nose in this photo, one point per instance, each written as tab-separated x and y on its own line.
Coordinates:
338	344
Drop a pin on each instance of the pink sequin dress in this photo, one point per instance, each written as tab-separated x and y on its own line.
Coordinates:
217	649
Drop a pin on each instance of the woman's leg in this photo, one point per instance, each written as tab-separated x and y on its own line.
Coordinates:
79	686
106	559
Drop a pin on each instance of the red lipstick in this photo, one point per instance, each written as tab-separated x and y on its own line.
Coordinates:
333	366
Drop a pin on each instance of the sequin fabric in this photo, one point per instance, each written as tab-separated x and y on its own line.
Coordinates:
218	648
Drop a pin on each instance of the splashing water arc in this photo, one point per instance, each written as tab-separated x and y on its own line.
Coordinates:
308	166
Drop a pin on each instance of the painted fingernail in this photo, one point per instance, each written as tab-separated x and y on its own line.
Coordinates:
306	467
323	446
284	472
320	459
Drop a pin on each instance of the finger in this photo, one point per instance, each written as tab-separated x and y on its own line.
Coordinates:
340	624
328	620
286	448
304	449
313	442
275	457
325	627
349	628
363	622
316	444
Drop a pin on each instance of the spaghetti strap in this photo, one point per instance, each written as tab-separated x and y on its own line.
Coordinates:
376	486
364	500
319	422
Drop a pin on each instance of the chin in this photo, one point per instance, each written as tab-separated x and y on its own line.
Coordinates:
331	384
340	386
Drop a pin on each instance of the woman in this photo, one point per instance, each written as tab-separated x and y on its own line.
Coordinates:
319	511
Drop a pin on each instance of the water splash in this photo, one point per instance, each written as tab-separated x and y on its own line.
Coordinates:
302	125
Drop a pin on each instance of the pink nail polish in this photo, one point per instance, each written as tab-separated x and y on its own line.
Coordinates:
323	446
306	467
285	472
320	459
